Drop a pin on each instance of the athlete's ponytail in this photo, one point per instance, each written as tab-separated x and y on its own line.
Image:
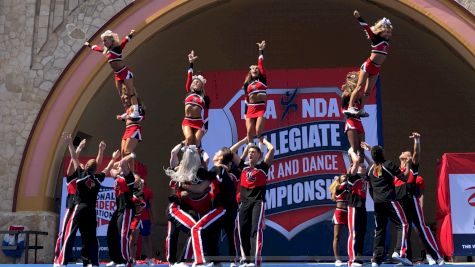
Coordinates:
334	186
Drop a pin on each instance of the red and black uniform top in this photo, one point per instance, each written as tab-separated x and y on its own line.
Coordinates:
195	99
253	181
139	202
227	187
71	188
420	186
341	192
87	187
210	198
115	53
379	45
147	197
382	183
124	189
407	189
257	85
357	193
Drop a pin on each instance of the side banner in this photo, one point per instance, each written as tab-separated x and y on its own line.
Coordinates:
105	206
305	124
456	204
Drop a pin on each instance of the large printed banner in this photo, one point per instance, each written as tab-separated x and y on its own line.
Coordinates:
105	206
305	124
456	204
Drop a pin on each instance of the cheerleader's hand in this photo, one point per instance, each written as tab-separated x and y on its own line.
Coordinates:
262	45
82	144
102	145
192	57
116	155
365	146
415	135
87	44
356	14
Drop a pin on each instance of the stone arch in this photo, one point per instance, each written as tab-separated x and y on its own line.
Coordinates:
85	73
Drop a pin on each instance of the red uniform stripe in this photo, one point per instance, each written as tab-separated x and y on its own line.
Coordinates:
405	227
124	233
178	214
426	231
196	239
59	241
67	234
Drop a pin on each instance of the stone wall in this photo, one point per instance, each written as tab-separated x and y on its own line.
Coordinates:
38	38
40	221
468	4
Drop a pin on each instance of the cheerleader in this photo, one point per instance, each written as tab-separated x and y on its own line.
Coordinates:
83	214
255	86
118	232
133	129
379	35
122	75
357	216
197	207
225	163
407	194
381	175
339	194
136	224
353	127
252	198
195	123
71	178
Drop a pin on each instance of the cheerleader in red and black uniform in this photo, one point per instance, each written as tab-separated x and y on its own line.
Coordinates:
339	191
122	75
195	123
136	224
381	176
353	127
133	129
197	207
357	216
83	212
252	199
408	195
379	35
255	86
225	168
71	177
118	231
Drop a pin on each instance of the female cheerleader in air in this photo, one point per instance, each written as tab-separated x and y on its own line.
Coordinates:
353	127
379	35
339	191
123	76
195	123
255	86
